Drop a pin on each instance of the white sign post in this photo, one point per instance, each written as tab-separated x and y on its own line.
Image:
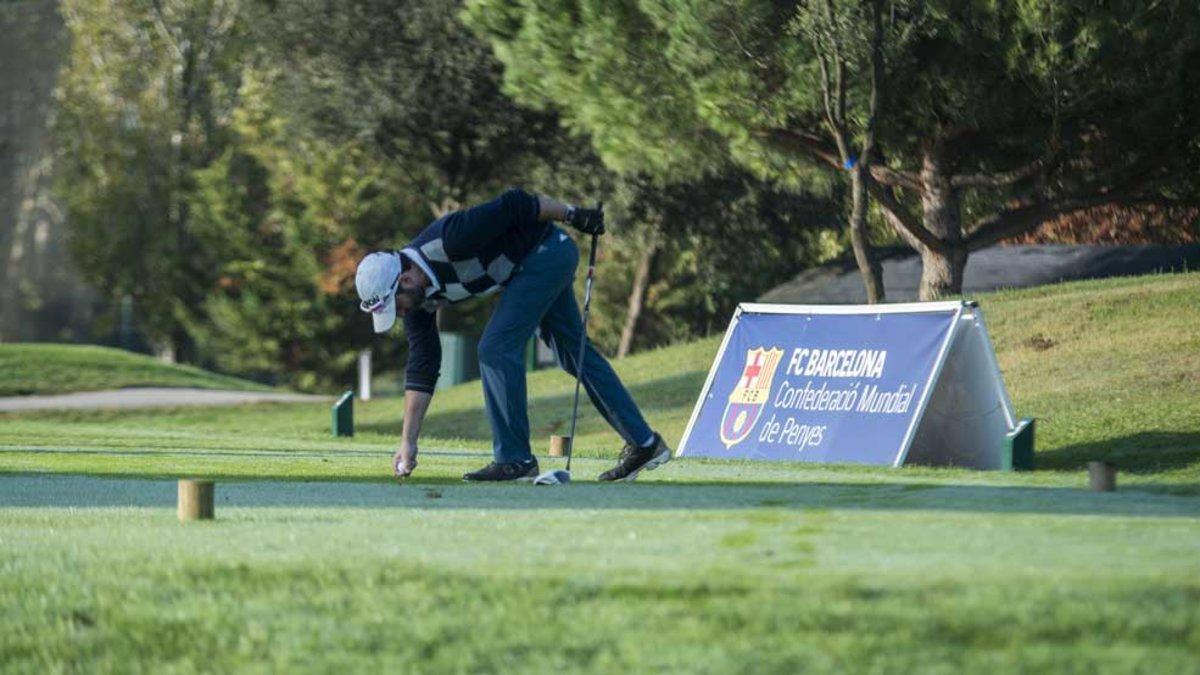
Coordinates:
364	375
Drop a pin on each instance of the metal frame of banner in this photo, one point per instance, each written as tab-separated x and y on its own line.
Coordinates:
957	306
1010	414
896	308
934	374
712	374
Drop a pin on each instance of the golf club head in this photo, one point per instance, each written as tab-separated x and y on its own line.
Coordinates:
555	477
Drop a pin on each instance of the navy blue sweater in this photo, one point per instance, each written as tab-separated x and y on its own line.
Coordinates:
465	254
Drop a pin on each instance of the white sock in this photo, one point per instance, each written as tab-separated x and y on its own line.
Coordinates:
648	442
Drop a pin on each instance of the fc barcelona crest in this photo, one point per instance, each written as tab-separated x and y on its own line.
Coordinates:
749	397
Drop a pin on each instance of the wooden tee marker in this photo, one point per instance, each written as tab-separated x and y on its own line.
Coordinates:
560	446
195	500
1102	476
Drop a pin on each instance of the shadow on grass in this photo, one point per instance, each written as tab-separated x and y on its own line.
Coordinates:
549	414
177	451
24	490
1141	453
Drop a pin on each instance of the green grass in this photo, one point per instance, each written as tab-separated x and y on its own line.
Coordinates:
35	368
706	566
643	578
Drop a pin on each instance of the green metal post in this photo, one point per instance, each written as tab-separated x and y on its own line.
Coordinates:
1018	447
343	415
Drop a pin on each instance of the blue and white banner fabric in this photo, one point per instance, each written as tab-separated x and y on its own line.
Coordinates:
820	387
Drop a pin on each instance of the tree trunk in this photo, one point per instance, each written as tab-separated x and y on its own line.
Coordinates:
637	297
941	271
864	255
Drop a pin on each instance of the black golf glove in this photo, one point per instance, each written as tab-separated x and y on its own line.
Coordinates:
587	221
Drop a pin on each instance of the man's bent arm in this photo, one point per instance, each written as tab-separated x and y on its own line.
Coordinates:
424	363
416	403
420	379
467	232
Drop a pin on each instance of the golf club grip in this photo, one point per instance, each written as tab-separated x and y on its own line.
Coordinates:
595	240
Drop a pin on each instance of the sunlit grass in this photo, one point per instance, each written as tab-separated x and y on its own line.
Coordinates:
318	561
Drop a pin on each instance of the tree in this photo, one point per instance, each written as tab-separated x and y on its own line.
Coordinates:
1015	114
998	116
646	113
143	104
847	39
281	218
406	80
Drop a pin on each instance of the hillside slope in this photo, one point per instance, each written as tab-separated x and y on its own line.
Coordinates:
36	368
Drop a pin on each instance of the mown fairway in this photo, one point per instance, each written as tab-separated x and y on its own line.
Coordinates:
703	567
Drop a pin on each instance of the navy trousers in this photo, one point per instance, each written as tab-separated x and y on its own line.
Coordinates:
540	297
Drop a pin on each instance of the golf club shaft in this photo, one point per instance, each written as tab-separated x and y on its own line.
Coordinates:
587	305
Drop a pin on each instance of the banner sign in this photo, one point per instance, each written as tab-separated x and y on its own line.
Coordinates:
821	383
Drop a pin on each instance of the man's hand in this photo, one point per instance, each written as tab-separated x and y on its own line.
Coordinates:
587	221
404	462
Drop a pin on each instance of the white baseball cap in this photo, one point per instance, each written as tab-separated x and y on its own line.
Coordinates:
376	281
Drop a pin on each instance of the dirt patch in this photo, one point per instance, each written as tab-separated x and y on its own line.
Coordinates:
1039	342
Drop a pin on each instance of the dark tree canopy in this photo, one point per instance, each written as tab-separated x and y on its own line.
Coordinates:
994	117
406	80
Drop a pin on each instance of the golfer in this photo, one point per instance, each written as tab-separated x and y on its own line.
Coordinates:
510	246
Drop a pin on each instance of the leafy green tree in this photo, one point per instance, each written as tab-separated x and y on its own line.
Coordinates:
986	119
849	41
604	66
406	79
143	103
282	218
1014	114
